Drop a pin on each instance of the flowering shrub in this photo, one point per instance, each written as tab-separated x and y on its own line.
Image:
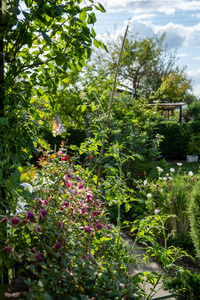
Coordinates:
61	242
170	194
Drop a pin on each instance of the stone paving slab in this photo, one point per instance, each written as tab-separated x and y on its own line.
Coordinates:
151	266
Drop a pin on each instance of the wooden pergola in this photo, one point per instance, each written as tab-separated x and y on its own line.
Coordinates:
169	107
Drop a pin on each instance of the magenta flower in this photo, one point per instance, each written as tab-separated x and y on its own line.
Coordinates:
99	226
37	256
8	250
15	221
30	215
44	213
66	204
87	228
58	245
96	213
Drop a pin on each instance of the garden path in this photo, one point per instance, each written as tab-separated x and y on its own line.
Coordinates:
152	266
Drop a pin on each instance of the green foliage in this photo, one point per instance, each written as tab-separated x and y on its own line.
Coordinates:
171	194
194	217
185	285
45	42
61	241
146	69
175	139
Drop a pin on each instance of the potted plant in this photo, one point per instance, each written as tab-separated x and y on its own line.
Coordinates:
193	148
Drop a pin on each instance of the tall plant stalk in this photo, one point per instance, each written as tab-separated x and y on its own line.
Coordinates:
111	102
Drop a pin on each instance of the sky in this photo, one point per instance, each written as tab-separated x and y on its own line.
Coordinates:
179	19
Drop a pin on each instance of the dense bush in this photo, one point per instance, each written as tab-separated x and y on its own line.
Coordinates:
194	217
60	243
176	137
185	284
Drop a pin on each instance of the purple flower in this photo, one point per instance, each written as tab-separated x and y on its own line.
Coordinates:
80	186
15	221
88	198
8	250
99	226
30	215
37	256
44	213
96	213
58	245
66	204
87	228
78	178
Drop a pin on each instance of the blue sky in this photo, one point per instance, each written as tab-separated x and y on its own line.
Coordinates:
179	19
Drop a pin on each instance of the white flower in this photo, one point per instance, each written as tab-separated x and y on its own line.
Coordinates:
161	190
164	178
149	195
190	173
145	182
172	170
159	169
170	178
179	164
27	186
157	211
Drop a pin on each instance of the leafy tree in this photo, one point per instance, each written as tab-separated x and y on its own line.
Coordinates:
146	68
40	40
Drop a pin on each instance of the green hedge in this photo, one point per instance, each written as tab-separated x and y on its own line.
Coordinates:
176	138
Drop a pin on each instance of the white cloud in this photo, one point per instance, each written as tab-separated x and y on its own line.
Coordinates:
196	58
182	55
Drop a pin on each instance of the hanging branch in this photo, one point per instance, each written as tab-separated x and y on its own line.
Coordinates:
111	101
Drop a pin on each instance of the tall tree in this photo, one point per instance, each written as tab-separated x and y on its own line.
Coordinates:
147	68
39	40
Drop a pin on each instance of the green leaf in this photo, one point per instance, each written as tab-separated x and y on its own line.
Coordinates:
14	10
4	121
93	32
58	10
46	37
100	7
103	46
96	43
91	18
15	177
28	3
83	16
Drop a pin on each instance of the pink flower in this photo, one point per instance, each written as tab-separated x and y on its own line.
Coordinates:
87	228
60	152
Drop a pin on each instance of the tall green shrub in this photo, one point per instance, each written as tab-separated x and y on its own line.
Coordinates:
194	217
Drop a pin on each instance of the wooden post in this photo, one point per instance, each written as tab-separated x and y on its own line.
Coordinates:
111	101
